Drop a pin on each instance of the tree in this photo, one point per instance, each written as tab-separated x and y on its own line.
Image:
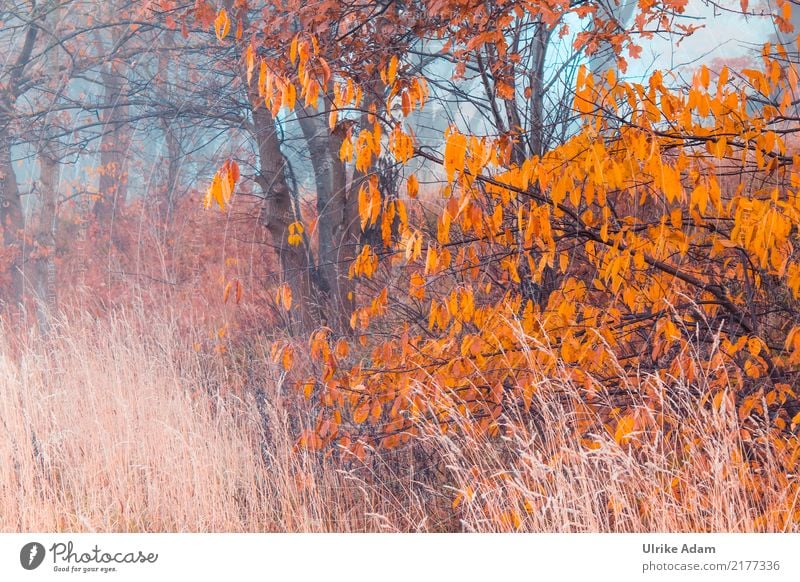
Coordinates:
58	47
20	44
618	243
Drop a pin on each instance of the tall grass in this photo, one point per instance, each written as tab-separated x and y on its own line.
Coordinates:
123	424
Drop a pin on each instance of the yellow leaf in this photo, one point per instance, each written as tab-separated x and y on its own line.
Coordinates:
264	79
624	428
405	104
671	332
295	237
222	185
369	202
288	96
288	358
467	495
293	50
412	186
455	153
346	150
308	388
221	24
392	71
563	262
284	296
704	76
722	80
417	286
401	145
250	62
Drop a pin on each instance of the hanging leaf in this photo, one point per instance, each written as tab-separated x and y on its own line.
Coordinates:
392	71
250	63
283	296
221	24
222	185
455	153
412	186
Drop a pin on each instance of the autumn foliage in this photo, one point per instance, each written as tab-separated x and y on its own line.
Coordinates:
503	244
655	243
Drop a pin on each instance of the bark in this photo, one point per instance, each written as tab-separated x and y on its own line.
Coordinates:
279	210
539	141
335	251
277	213
621	14
169	199
537	137
43	264
351	233
113	183
12	221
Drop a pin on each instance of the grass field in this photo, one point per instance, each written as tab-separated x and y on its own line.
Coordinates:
123	425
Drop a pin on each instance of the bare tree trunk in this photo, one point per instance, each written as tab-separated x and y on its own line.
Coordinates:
351	233
44	264
621	13
541	38
335	255
167	203
169	199
278	213
12	221
113	184
278	210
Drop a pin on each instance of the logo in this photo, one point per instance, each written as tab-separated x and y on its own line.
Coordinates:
67	558
31	555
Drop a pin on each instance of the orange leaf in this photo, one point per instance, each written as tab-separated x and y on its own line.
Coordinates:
222	186
287	359
375	412
392	71
284	296
455	153
293	50
416	287
250	62
361	413
412	186
342	349
222	24
624	428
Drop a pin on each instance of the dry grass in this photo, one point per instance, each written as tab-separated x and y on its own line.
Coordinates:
120	425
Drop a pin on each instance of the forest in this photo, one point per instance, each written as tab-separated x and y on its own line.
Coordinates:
400	265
